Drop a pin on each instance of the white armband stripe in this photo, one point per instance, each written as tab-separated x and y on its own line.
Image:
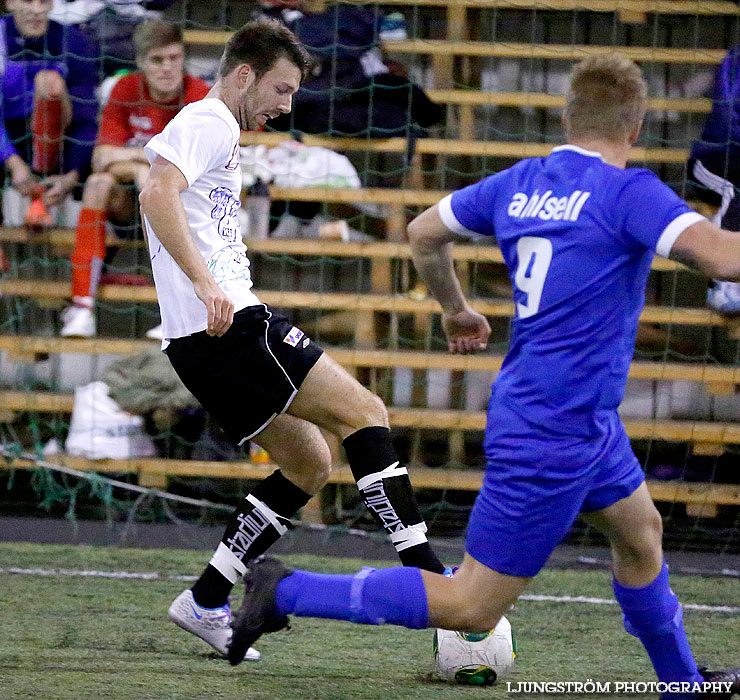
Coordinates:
674	230
444	207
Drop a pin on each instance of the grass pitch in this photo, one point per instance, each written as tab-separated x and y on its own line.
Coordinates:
80	638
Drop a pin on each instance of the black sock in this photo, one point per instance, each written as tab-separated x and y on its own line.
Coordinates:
212	589
390	498
422	556
249	533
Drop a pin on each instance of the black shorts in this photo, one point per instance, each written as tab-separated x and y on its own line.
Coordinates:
247	377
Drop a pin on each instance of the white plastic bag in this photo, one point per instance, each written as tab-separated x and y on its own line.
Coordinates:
293	164
100	429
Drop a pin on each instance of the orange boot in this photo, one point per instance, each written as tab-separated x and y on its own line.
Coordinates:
37	216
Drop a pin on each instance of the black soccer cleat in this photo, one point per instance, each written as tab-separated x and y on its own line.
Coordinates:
257	614
731	676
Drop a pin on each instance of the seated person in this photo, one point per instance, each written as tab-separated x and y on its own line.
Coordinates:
714	167
49	107
139	107
110	24
350	90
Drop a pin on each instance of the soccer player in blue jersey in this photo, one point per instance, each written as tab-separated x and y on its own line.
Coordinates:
578	231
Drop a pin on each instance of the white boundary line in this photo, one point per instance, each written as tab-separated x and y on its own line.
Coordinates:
153	576
608	601
94	573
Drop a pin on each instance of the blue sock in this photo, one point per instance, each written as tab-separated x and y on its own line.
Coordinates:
654	615
394	596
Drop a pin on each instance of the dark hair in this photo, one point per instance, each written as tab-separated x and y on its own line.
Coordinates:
155	34
260	44
607	98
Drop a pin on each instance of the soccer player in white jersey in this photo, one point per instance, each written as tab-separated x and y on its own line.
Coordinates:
257	375
578	231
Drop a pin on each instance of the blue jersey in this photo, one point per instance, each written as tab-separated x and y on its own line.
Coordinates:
578	238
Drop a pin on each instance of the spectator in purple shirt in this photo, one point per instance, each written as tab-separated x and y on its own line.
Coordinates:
715	171
49	119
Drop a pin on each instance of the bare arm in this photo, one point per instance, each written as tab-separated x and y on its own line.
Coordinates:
59	186
161	204
105	156
431	249
127	171
714	251
20	174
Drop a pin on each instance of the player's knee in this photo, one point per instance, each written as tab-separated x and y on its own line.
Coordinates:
49	84
322	468
654	548
652	536
644	546
315	468
373	411
473	612
365	411
99	183
654	527
477	617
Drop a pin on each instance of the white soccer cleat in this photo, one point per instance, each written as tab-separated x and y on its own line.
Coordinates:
212	625
156	333
79	322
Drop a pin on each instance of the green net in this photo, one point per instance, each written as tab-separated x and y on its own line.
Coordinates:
499	68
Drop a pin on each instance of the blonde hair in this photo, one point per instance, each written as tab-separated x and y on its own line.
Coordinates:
607	98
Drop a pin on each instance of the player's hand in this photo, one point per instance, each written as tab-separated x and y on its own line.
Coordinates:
467	331
58	187
219	306
20	175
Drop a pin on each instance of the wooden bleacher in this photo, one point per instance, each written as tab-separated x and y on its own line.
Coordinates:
629	11
711	438
394	201
707	438
663	7
486	49
459	42
480	98
718	377
700	498
703	497
63	239
572	52
459	147
59	291
708	435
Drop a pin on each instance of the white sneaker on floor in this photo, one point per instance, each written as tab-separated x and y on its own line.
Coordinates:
212	625
78	322
155	333
724	297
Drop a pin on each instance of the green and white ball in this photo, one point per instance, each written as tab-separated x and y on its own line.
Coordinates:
475	658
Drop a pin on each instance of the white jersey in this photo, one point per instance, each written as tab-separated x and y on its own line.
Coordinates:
203	142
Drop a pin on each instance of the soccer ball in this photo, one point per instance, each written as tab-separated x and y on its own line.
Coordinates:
475	658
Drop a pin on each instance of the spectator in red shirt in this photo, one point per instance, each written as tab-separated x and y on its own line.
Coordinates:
139	107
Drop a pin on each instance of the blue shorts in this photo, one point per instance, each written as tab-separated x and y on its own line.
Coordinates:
536	485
